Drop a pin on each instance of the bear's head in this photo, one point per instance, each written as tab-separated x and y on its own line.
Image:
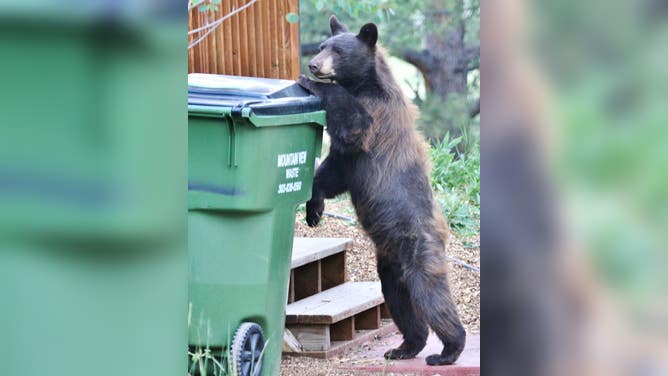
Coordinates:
346	56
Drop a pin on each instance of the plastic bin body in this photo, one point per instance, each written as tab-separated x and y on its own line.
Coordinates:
251	162
94	261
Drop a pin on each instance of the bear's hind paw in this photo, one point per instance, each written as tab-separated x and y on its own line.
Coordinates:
400	353
439	360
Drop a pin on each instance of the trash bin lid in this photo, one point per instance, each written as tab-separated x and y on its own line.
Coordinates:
264	96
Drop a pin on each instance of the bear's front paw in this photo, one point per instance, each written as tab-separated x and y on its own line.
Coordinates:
314	209
304	82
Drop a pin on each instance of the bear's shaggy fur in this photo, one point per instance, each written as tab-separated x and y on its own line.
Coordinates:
378	156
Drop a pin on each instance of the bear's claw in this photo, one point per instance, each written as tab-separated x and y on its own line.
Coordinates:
304	82
314	211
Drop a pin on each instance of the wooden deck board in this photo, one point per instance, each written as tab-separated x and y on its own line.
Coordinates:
306	250
336	304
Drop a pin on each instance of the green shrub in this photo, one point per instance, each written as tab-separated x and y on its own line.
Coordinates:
456	184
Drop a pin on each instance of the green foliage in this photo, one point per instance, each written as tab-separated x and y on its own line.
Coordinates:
203	360
611	166
314	16
456	184
354	9
402	23
204	5
292	17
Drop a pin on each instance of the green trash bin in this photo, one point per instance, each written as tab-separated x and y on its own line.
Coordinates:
93	262
252	145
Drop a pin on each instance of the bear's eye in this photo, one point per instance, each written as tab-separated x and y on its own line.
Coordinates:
337	50
322	47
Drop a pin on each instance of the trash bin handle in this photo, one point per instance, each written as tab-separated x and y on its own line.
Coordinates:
232	147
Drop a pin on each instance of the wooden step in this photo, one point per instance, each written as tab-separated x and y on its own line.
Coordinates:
317	264
308	250
336	314
335	304
338	348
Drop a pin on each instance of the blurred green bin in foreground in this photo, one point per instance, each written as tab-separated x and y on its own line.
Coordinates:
252	145
93	258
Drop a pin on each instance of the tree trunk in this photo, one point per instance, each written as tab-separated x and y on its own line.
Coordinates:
444	64
445	70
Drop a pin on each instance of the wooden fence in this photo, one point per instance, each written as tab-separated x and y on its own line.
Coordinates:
257	41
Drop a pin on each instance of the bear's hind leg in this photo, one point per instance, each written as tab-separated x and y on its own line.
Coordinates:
397	298
431	297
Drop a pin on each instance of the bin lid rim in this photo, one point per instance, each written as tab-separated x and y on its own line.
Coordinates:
241	86
263	96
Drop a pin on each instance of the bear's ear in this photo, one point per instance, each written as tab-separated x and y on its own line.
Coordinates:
336	26
369	34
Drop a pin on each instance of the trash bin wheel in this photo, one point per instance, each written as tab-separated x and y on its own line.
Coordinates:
246	350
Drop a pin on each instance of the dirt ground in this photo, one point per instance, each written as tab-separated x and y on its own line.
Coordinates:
361	266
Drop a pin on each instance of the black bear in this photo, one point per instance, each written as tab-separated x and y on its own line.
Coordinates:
378	156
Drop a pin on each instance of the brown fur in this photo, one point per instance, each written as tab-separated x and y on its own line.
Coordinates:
394	120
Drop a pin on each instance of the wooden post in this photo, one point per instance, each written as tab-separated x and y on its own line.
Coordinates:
291	287
307	280
312	337
343	330
333	270
369	319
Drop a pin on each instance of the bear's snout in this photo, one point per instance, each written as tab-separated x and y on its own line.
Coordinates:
313	67
322	65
